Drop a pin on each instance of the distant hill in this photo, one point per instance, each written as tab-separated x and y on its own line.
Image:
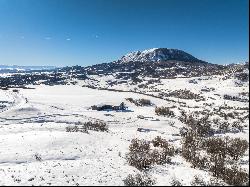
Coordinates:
16	68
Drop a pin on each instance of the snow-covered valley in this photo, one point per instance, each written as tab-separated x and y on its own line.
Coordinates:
36	148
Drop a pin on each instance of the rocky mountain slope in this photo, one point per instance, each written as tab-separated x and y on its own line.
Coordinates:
159	55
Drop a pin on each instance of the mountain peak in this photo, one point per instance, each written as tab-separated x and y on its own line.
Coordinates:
159	55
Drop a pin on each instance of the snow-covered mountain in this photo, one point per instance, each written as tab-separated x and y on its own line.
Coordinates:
159	55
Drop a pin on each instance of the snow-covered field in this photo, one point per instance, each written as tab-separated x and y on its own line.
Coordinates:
33	122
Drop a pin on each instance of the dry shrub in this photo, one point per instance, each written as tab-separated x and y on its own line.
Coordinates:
138	155
200	162
198	181
164	111
216	146
175	182
131	100
202	126
138	180
159	142
140	102
96	126
235	176
142	156
215	182
190	145
38	157
218	152
237	125
84	127
76	128
224	127
72	129
221	149
144	102
237	147
168	150
217	166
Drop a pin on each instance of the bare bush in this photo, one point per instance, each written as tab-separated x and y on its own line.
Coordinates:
140	102
168	150
198	181
138	180
38	157
164	111
237	125
216	146
175	182
200	162
76	129
215	182
72	129
186	94
190	145
142	156
224	127
159	142
237	147
215	154
84	127
96	126
138	155
202	127
235	176
144	102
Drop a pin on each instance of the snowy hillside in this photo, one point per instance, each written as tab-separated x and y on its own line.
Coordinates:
158	55
149	123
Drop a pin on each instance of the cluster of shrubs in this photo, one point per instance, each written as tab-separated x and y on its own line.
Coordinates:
240	116
138	180
199	121
220	154
84	127
164	111
202	126
76	128
38	157
140	102
20	80
186	94
244	77
225	127
144	154
235	98
215	154
244	94
199	181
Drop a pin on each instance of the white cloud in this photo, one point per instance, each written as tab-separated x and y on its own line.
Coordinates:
68	39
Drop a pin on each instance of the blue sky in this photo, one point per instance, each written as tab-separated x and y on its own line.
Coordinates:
84	32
